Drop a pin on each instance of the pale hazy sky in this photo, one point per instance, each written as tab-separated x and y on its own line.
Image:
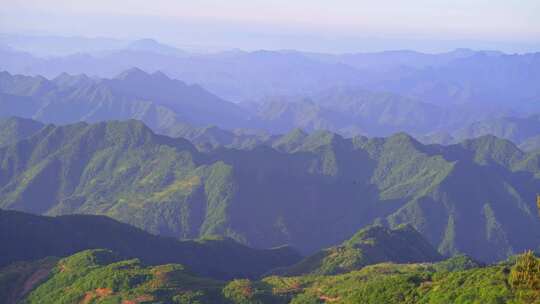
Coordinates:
285	24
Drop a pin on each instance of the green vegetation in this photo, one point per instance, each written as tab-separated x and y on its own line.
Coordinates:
525	278
14	129
411	283
99	276
371	245
311	191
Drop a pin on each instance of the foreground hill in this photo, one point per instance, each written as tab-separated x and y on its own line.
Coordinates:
100	276
371	245
312	191
463	282
32	237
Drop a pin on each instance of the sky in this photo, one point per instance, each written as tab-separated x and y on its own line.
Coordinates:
316	25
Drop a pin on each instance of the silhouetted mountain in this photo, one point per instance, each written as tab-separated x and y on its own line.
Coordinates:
32	237
462	76
152	46
482	79
390	60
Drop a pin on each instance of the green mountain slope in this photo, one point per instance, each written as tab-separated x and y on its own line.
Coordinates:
509	282
99	276
312	191
371	245
212	137
14	129
32	237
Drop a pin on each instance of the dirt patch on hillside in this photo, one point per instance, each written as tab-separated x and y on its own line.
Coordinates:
139	299
98	293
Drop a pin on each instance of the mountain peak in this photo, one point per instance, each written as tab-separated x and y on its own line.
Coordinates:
66	79
489	148
488	140
403	138
160	75
153	46
145	42
133	73
291	140
370	245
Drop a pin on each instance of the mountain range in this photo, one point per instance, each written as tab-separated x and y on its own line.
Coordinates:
521	130
353	111
172	107
137	172
458	77
158	100
308	190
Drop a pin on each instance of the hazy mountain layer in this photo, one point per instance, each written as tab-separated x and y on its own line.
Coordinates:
159	101
522	131
454	78
354	111
173	108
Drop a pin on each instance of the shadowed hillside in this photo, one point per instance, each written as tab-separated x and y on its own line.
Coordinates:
309	190
32	237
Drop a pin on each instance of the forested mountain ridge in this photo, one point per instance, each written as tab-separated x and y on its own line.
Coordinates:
308	190
13	129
